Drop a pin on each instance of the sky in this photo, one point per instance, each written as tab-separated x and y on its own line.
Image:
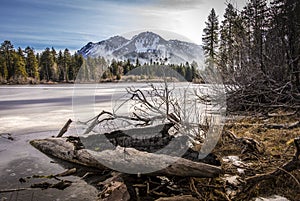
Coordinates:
73	23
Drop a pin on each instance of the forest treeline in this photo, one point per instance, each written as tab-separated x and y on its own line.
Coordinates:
25	66
18	66
256	49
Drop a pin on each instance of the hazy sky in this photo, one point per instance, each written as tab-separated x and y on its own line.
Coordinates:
73	23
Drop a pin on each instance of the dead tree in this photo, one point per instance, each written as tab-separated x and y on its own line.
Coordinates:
162	104
70	151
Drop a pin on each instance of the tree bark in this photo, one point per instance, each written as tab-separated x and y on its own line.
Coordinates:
128	158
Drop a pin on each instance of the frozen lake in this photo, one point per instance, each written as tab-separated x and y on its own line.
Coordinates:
27	109
31	112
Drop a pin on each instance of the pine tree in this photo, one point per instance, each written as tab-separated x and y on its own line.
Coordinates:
46	64
6	51
78	63
60	65
137	63
229	35
210	38
256	12
126	67
32	64
188	73
19	65
114	68
3	68
291	12
181	70
54	54
194	67
67	64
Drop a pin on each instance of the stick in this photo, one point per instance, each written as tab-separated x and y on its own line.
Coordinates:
14	190
64	129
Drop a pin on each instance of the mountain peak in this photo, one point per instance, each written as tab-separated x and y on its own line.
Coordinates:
146	46
148	34
117	38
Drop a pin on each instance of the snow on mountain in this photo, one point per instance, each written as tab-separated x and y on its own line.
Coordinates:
104	48
145	46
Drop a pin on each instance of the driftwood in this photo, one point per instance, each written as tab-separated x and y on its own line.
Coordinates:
64	149
149	139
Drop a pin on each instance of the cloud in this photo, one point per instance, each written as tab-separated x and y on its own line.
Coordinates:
178	4
73	23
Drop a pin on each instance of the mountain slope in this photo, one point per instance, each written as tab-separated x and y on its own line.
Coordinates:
146	46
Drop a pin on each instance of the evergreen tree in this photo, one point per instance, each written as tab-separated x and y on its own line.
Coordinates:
67	64
115	68
188	74
79	61
289	24
210	38
181	70
137	62
46	64
256	11
6	51
19	64
3	68
32	65
228	34
38	58
60	65
194	67
54	54
126	67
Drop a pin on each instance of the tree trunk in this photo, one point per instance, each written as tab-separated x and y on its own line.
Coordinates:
128	158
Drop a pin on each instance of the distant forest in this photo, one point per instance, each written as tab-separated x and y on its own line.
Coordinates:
27	67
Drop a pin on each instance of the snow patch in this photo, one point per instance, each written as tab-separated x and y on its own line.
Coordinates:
272	198
235	160
145	44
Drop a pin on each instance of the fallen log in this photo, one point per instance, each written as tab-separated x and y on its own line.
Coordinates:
66	150
128	158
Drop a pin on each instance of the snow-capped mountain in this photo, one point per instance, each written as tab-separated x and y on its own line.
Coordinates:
146	46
